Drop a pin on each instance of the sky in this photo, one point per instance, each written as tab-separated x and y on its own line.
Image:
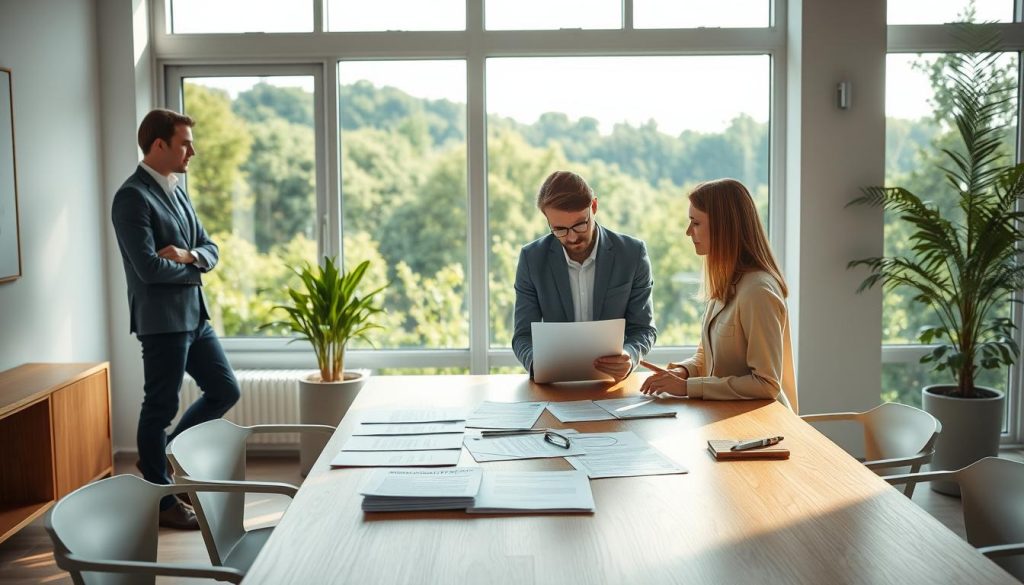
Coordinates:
678	93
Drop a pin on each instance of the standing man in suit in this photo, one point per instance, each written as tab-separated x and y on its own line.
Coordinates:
165	250
582	271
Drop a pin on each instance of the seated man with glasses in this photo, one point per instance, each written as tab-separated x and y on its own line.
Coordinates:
583	272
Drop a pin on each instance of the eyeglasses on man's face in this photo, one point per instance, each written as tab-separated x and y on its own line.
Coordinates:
579	228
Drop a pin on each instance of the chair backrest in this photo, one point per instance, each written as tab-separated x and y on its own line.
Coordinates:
992	492
111	519
215	450
894	430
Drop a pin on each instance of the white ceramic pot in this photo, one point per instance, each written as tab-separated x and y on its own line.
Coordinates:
324	403
970	429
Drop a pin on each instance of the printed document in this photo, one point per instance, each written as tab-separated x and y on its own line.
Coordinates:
578	411
635	407
411	428
565	352
506	415
533	491
438	458
531	446
413	415
622	454
403	443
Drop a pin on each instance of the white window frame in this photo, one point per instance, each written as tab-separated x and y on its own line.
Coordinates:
227	54
940	38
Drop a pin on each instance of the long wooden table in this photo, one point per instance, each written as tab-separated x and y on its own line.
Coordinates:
819	517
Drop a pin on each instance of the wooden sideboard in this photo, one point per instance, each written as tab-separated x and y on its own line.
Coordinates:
54	436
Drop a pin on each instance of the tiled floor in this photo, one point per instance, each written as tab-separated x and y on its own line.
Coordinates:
27	557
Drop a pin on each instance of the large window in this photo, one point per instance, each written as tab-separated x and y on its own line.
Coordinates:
417	138
253	183
638	132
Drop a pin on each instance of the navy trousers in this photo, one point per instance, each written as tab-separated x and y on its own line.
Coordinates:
165	359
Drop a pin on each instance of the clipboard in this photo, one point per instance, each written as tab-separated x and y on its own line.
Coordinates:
721	450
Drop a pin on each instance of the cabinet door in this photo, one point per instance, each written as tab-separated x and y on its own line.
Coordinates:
81	432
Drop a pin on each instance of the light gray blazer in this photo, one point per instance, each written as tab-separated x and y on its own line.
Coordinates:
622	289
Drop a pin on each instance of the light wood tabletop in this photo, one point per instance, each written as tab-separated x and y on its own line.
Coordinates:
818	517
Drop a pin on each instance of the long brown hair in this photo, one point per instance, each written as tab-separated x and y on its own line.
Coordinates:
738	242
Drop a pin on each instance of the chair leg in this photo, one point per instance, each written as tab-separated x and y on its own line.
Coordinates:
909	489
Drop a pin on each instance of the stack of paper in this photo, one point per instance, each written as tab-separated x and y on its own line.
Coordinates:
533	491
398	490
611	409
407	437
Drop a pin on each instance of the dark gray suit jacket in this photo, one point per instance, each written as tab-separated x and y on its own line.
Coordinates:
163	296
622	289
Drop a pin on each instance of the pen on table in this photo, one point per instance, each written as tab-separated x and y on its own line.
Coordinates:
756	443
659	369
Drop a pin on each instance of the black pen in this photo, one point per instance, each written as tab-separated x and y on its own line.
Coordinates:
756	443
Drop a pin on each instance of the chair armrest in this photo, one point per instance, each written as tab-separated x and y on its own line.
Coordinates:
74	562
920	477
216	485
1002	550
324	429
899	461
830	416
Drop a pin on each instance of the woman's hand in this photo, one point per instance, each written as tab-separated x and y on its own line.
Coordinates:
673	383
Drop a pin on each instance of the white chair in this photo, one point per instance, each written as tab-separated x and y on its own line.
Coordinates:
992	494
106	533
895	435
213	453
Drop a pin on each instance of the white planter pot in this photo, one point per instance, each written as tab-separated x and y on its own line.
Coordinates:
324	403
970	429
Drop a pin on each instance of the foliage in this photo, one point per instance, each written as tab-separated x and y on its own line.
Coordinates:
328	313
963	263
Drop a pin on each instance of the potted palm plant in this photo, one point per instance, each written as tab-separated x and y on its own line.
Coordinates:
964	265
328	313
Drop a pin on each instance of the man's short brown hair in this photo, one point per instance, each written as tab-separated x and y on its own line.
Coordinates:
565	191
160	124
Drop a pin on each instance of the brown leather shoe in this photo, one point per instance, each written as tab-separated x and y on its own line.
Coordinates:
179	516
182	497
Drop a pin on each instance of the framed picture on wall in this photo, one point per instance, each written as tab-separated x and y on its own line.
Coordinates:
10	242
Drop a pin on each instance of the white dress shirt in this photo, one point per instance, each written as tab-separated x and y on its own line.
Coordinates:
169	183
581	281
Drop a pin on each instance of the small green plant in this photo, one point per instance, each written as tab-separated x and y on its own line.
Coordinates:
966	268
328	313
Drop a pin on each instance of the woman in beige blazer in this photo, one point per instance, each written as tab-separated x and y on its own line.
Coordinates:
745	350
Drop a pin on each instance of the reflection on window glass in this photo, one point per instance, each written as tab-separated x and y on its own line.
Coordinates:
552	14
637	132
403	189
918	126
253	183
381	15
240	16
944	11
903	382
700	13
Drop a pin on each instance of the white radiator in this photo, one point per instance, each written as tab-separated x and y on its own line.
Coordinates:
268	397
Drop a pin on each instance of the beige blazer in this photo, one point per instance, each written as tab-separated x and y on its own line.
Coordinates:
745	350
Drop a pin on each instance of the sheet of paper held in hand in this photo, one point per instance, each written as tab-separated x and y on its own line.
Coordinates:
622	454
565	352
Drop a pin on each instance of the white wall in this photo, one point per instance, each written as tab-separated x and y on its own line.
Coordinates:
57	311
831	154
